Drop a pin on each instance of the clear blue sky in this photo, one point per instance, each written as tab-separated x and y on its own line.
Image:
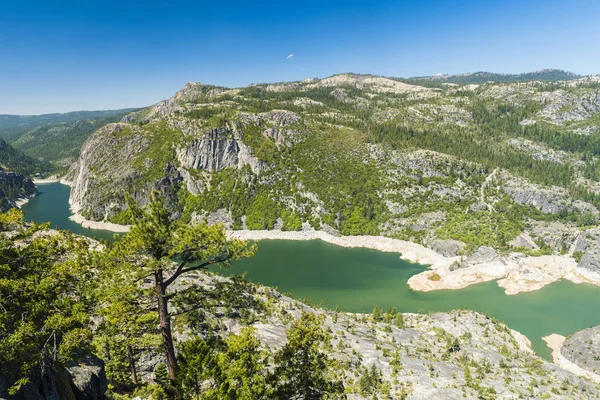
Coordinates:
58	56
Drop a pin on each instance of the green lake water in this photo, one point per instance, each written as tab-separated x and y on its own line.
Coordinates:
52	205
356	280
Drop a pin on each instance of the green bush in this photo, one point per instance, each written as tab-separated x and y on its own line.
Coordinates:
291	221
262	213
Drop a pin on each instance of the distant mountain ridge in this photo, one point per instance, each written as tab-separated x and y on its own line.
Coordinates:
55	139
547	75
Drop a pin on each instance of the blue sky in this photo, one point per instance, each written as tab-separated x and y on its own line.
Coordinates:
59	56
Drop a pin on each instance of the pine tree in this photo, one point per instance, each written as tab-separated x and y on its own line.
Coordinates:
242	374
162	249
302	370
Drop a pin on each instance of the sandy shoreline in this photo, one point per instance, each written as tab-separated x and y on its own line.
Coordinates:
410	251
107	226
22	201
42	181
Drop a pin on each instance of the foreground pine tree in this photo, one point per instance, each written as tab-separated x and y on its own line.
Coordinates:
164	249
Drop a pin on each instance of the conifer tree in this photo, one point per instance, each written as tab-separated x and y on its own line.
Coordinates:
159	250
302	366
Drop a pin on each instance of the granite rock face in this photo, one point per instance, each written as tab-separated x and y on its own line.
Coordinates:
82	379
588	243
212	152
583	349
88	378
105	169
448	248
123	157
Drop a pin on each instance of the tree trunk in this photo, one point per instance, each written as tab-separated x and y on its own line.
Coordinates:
132	364
165	324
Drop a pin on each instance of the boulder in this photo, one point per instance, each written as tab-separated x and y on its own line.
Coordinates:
448	248
482	255
52	382
88	378
523	241
590	261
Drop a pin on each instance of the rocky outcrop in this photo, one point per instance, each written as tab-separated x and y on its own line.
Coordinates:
588	243
583	349
482	255
549	200
448	247
280	118
541	152
88	378
523	241
82	379
546	200
191	92
214	151
105	169
556	235
375	83
417	356
563	106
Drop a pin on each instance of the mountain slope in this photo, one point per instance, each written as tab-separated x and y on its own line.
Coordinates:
14	187
55	138
457	167
20	163
15	169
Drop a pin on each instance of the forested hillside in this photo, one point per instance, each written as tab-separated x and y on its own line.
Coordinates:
18	162
16	169
54	139
455	167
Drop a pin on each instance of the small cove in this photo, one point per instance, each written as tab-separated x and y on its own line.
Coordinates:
356	280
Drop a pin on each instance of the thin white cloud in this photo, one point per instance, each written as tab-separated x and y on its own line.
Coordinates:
290	57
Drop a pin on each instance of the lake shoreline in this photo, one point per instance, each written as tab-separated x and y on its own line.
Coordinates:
43	181
106	226
22	201
360	279
514	272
